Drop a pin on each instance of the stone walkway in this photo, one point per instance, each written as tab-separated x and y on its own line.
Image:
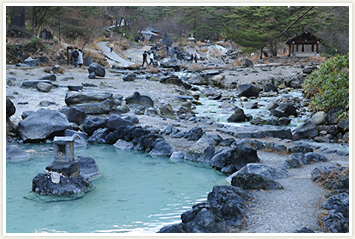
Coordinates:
113	56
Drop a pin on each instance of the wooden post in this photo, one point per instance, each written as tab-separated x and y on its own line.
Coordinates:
317	47
293	48
296	47
312	47
302	47
289	50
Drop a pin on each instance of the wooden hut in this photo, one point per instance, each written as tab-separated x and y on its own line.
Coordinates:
309	45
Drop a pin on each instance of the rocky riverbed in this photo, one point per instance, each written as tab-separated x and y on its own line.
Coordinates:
272	167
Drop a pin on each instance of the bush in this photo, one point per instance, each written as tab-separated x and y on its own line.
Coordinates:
328	87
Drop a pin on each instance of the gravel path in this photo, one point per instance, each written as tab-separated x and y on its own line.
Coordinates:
288	209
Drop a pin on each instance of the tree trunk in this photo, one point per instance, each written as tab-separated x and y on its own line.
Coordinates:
18	17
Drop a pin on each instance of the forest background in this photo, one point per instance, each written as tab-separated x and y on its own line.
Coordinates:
250	27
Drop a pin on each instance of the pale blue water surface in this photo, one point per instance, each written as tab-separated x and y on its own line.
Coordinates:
136	193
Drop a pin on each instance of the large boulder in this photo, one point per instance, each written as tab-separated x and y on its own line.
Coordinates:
254	181
97	69
225	208
43	124
98	108
172	79
307	130
139	99
247	63
55	184
161	148
88	167
237	116
204	218
319	118
167	111
76	115
263	170
129	77
194	134
73	97
10	108
248	90
93	123
233	159
197	80
284	110
114	121
201	151
231	202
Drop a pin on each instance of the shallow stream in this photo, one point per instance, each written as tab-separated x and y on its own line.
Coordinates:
136	193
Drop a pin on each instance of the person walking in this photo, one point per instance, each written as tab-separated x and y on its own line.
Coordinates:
80	58
111	47
195	58
76	57
145	58
151	58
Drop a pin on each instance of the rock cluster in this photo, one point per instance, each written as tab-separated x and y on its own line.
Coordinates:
224	209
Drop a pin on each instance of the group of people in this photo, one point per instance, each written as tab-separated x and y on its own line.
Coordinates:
151	58
76	56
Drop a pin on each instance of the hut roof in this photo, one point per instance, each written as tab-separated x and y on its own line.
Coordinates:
304	38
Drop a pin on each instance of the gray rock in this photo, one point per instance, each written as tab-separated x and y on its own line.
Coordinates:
42	124
201	151
172	79
76	115
11	81
238	156
194	134
336	222
10	108
247	63
33	83
267	87
319	118
67	186
167	111
93	123
306	130
92	75
123	144
72	97
46	103
50	77
88	167
129	77
31	62
284	110
44	87
98	108
97	69
263	170
162	148
114	121
254	181
248	90
237	116
14	153
197	80
75	87
139	99
292	163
